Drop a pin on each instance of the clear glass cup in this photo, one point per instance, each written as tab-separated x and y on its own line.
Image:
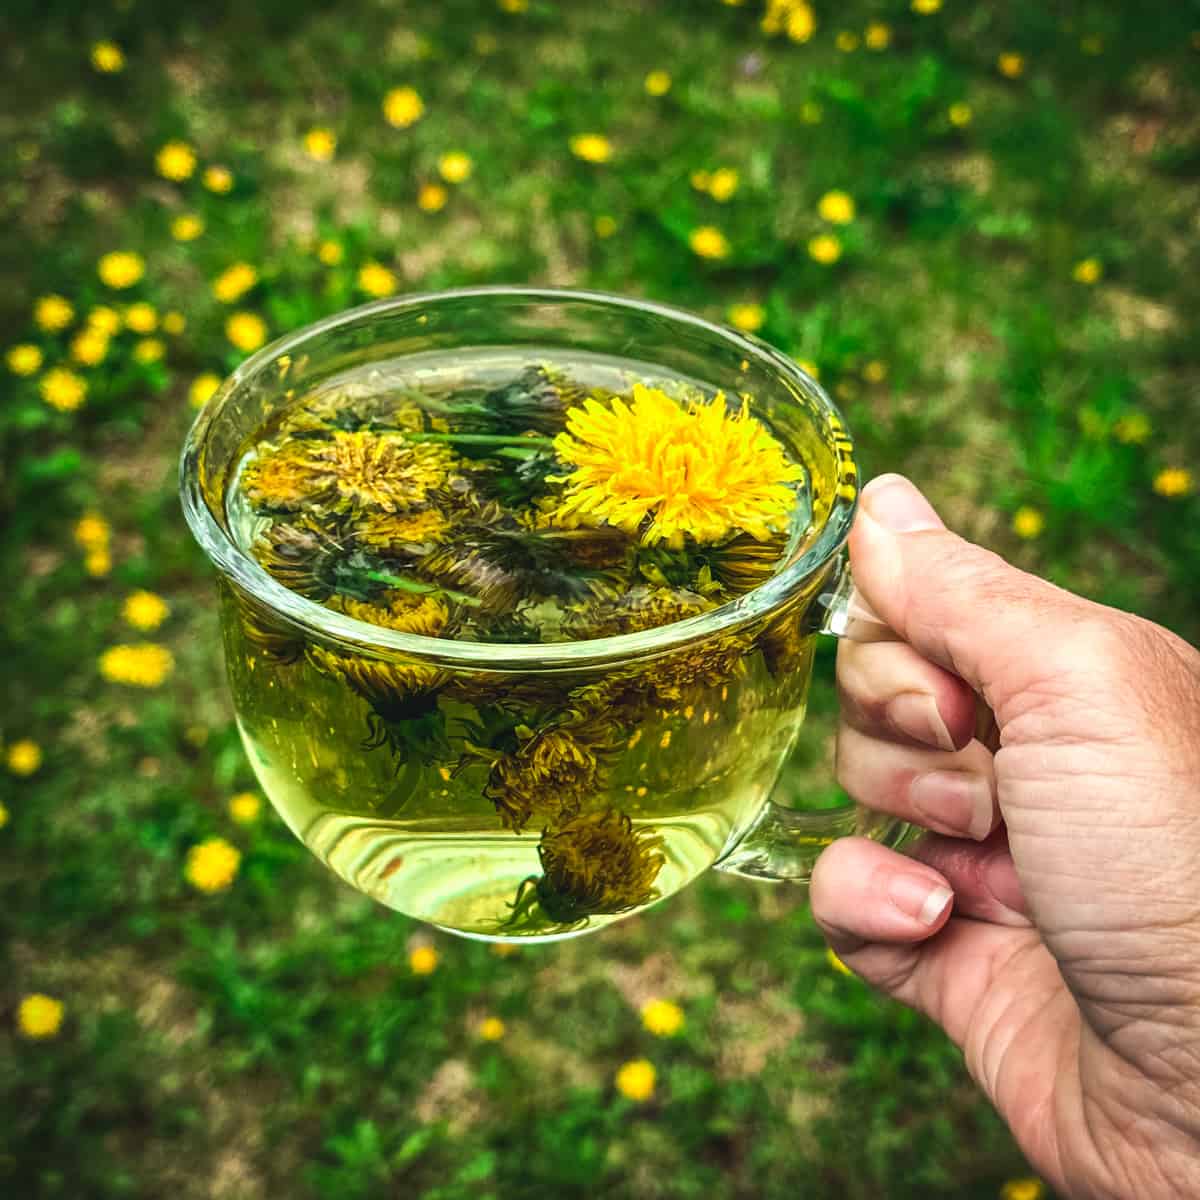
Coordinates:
707	708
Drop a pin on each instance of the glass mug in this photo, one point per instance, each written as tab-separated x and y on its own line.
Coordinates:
669	740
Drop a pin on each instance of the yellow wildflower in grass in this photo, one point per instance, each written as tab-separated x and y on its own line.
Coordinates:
187	227
245	808
246	330
97	563
331	253
747	317
875	371
491	1029
1011	65
104	320
144	664
120	269
846	41
877	36
212	865
1087	270
144	610
234	282
218	180
1173	482
1028	523
793	17
662	1018
809	367
455	166
320	144
92	532
149	350
39	1016
513	6
107	57
723	183
605	226
89	347
432	197
698	470
63	389
23	757
376	280
591	147
176	161
24	359
709	242
174	323
141	317
202	389
52	313
403	107
636	1079
836	207
836	963
825	249
658	83
3	816
1132	429
926	6
423	960
1023	1189
960	114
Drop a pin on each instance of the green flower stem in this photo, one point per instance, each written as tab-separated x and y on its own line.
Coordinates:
420	588
481	439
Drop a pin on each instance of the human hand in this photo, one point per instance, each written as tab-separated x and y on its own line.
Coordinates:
1051	924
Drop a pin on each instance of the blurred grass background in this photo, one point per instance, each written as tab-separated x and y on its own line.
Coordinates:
1003	293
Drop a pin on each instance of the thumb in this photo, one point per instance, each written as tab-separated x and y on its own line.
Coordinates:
957	604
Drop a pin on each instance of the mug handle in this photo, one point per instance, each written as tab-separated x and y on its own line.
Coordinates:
784	843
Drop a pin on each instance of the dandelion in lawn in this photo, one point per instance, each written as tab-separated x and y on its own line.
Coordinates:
836	207
63	389
120	269
423	960
97	563
604	226
174	323
144	610
1173	482
107	57
708	242
491	1029
245	808
320	144
403	107
176	161
432	197
202	389
1087	270
39	1016
104	320
3	816
187	227
513	6
960	114
455	166
591	147
1011	65
636	1080
662	1018
145	664
723	183
53	313
747	317
657	83
89	347
218	180
877	36
149	350
1023	1189
875	371
376	280
825	249
23	757
92	532
212	865
1132	429
926	7
794	18
331	253
23	359
1028	523
246	330
141	318
234	282
846	41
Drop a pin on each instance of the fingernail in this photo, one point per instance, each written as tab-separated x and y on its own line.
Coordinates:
896	504
916	715
954	801
916	897
1000	878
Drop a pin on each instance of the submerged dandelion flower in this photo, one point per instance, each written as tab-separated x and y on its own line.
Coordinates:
212	865
388	531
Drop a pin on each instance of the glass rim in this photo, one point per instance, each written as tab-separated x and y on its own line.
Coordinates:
758	603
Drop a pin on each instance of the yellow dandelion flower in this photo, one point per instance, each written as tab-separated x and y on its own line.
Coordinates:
662	1018
97	563
605	226
24	359
63	389
1011	65
875	371
877	36
658	83
636	1080
212	865
793	17
149	350
145	664
723	183
1028	523
187	227
141	317
701	180
591	147
174	323
202	389
107	58
825	249
455	166
836	207
245	808
23	757
1173	482
89	347
39	1016
246	330
809	367
376	280
144	610
3	816
423	960
234	282
403	107
53	313
709	242
432	197
747	317
846	41
836	963
218	180
1132	429
120	269
92	532
176	161
1087	270
320	144
491	1029
104	320
331	253
926	6
697	470
960	114
1023	1189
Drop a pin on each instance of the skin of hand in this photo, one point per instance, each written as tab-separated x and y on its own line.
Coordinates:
1050	923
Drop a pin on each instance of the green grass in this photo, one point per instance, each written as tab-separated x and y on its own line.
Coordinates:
270	1040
